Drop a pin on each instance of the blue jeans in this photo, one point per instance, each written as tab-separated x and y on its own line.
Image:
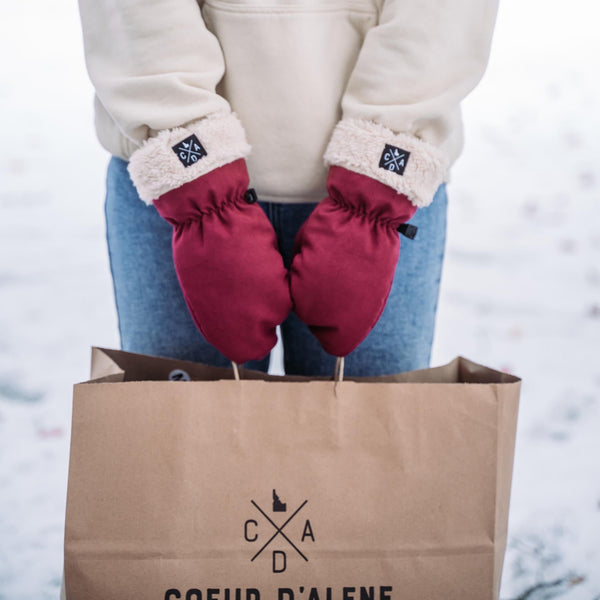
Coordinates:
154	319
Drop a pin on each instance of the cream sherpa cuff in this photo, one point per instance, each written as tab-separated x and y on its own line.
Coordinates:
176	156
404	162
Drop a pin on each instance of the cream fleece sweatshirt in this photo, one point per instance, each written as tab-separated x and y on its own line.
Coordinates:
291	85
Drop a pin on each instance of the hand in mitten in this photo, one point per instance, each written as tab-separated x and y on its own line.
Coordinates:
344	258
224	247
345	254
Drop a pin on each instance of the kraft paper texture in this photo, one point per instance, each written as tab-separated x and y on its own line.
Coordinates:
284	488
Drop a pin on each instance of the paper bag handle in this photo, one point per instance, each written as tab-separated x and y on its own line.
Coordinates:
236	372
338	370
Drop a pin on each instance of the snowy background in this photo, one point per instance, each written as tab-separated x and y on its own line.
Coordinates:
520	290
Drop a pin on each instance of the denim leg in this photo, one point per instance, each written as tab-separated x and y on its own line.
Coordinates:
402	338
152	314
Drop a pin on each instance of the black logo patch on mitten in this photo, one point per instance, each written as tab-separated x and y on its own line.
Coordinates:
394	159
189	151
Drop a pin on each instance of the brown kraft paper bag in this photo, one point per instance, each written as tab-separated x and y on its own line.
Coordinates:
185	483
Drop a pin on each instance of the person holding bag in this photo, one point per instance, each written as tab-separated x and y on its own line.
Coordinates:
266	159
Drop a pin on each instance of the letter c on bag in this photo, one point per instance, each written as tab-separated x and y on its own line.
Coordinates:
172	593
248	539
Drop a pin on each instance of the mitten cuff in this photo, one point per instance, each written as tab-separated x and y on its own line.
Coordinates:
177	156
404	162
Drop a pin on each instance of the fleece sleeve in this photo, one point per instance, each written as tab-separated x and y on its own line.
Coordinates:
155	66
401	104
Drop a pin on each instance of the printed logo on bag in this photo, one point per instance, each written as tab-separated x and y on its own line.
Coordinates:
353	592
265	532
190	150
179	375
394	159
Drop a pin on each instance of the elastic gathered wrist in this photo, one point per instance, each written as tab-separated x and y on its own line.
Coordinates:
367	197
222	188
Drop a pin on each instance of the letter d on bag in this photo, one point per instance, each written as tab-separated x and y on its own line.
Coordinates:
277	563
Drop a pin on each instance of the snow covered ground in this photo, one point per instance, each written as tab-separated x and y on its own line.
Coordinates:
520	290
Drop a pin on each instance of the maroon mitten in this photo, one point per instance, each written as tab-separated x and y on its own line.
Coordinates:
224	247
344	258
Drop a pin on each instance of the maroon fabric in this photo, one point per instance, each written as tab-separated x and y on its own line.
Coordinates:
344	258
227	261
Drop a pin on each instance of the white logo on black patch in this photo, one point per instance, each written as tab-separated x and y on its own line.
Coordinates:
189	151
394	159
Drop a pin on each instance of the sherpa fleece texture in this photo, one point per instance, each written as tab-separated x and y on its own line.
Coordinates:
155	168
357	144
